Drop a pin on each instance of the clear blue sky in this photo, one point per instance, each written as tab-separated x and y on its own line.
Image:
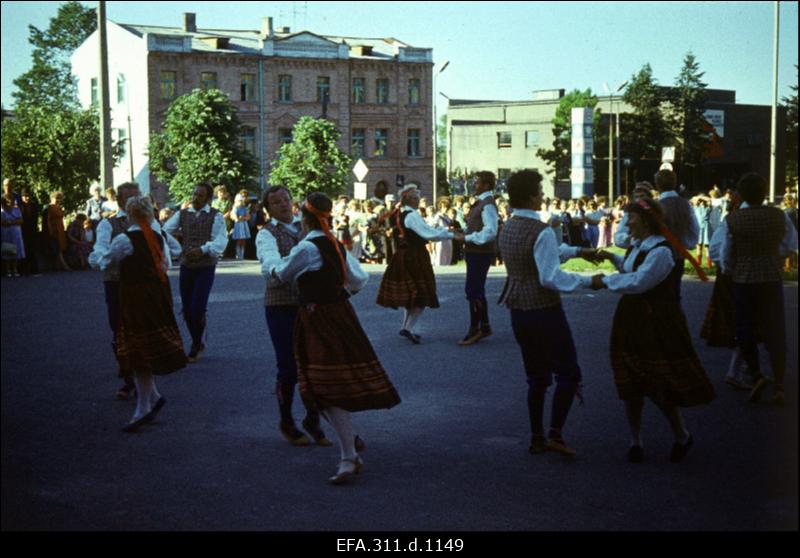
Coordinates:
501	50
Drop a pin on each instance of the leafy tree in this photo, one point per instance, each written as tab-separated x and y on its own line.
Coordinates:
53	150
51	144
50	83
685	118
644	132
559	157
790	133
200	143
312	161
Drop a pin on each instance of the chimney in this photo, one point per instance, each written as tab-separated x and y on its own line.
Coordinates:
267	30
189	25
286	30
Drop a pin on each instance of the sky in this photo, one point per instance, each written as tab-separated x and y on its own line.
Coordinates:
500	50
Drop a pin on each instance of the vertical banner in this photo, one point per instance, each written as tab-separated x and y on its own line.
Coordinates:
582	174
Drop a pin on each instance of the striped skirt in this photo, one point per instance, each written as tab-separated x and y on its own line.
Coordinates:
149	338
652	354
336	364
408	281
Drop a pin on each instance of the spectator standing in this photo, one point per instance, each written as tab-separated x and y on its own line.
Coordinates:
13	246
94	206
30	233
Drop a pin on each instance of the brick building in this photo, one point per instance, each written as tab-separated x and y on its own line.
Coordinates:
377	91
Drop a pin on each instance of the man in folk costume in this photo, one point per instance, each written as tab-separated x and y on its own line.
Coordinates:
479	249
681	222
280	234
337	367
107	230
204	240
532	256
755	239
408	281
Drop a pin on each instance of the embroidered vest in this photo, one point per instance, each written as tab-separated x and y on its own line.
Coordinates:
523	290
757	233
196	228
475	224
285	294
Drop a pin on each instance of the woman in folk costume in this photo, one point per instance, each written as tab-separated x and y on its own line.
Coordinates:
651	349
337	367
149	341
408	281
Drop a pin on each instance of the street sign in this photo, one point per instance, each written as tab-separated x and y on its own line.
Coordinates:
665	166
360	190
667	154
360	170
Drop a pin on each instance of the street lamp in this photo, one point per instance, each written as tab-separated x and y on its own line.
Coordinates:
611	140
435	126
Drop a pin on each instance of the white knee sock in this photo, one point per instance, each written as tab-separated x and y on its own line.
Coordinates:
340	421
144	391
412	316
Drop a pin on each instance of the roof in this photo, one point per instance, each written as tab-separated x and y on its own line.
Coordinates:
249	42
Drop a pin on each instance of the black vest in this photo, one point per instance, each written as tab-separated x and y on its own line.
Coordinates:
665	289
325	285
139	266
410	238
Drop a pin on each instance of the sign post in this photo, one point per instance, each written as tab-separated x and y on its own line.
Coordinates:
360	188
582	175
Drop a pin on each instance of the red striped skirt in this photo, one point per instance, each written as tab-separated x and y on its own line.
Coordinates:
652	354
149	338
336	364
408	281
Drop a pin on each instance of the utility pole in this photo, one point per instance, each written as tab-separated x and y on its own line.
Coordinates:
774	128
106	161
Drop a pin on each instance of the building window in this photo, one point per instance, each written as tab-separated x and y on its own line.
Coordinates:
208	80
532	138
121	88
503	139
413	92
248	87
284	136
323	88
285	89
168	82
382	91
94	91
413	143
122	139
381	143
247	139
359	93
359	142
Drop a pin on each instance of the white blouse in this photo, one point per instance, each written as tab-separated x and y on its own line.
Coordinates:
267	246
416	223
122	247
306	257
654	269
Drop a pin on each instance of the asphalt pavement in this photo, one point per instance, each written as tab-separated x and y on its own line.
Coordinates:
451	457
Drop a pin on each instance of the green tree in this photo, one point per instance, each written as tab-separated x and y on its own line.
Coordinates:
559	158
51	144
644	132
48	150
49	83
685	118
790	134
312	162
200	143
